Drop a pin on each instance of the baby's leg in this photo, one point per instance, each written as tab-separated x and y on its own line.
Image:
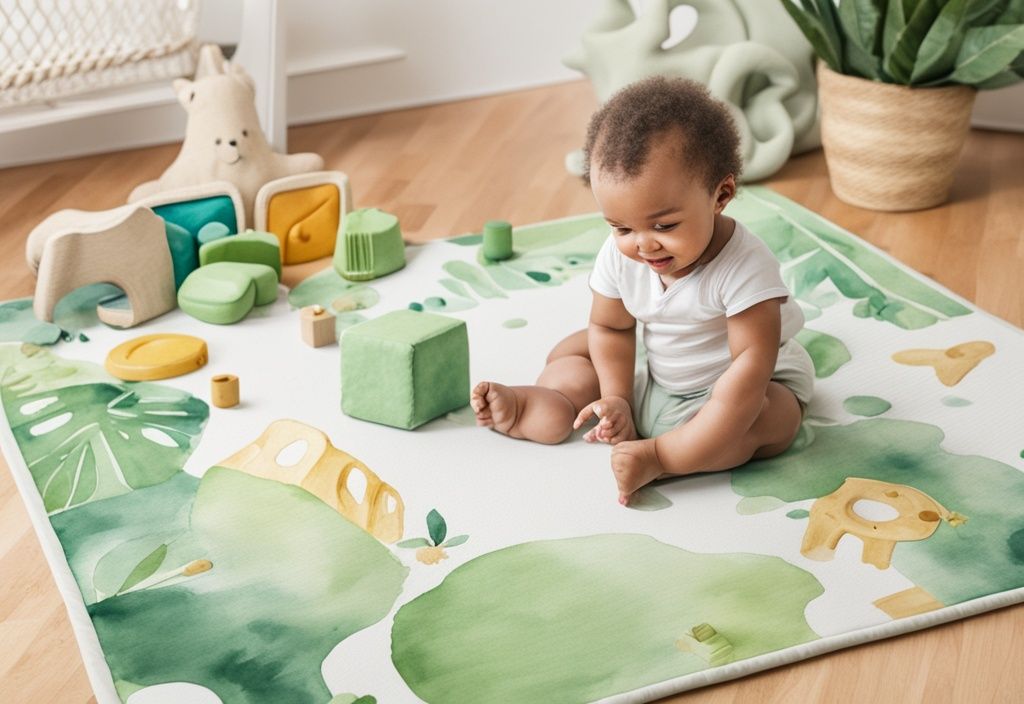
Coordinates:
675	452
544	412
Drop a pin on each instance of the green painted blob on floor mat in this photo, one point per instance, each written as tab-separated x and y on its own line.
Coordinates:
583	618
827	352
798	513
475	277
749	505
954	564
513	323
334	293
868	406
648	499
270	609
955	401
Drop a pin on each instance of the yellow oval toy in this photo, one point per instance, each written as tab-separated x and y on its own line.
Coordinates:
158	356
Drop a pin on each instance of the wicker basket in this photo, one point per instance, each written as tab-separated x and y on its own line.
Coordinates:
890	147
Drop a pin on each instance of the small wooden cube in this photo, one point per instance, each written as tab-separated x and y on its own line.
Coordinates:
317	326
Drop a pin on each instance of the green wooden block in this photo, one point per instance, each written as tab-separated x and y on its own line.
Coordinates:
225	292
251	246
371	245
404	368
497	240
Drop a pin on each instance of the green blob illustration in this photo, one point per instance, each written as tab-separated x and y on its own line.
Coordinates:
418	307
956	563
264	609
648	499
539	276
750	505
514	323
955	401
813	251
334	293
544	621
868	406
798	513
475	277
827	352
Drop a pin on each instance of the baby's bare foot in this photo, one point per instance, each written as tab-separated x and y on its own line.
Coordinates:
635	464
495	406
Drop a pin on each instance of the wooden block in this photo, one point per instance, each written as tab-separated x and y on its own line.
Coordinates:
317	326
158	356
224	391
126	246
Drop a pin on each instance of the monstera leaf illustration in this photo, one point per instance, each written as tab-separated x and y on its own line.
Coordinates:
812	251
88	442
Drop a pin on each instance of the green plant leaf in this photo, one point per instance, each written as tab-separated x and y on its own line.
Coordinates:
812	27
414	543
937	55
894	23
861	21
1001	80
827	352
436	526
988	51
146	568
457	540
899	61
88	442
830	23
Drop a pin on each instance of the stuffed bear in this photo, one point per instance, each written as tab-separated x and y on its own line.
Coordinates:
223	139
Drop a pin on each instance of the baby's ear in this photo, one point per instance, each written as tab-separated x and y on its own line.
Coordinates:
185	90
725	192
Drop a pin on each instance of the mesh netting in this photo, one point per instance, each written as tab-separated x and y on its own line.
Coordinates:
51	49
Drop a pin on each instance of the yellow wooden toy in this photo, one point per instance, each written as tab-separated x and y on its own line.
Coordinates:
157	356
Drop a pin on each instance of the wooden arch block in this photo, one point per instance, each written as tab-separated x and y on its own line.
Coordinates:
126	247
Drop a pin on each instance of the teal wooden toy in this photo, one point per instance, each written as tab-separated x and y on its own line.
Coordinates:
251	246
370	247
225	292
497	240
183	252
404	368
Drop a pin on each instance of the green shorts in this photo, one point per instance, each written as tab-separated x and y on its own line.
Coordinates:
657	410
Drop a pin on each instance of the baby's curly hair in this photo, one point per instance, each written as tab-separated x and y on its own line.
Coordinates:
620	132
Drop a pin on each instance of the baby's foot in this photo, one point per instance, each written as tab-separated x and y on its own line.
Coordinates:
635	464
495	406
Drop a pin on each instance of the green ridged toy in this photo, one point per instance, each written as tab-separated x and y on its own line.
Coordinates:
370	247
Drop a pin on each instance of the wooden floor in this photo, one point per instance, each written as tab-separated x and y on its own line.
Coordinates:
445	170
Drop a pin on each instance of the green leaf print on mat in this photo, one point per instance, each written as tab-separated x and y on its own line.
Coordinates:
828	353
287	578
544	621
88	442
812	250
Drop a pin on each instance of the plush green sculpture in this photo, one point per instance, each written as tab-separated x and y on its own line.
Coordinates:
404	368
371	245
250	246
748	53
225	292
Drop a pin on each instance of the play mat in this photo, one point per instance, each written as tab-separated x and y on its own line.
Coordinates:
464	566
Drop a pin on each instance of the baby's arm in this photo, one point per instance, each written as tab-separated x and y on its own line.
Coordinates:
611	339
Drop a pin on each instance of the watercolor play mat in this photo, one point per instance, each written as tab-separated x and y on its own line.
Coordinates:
283	552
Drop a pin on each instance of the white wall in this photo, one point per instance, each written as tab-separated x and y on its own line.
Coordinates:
349	57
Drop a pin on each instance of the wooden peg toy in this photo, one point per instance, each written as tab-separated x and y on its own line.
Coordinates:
224	391
317	326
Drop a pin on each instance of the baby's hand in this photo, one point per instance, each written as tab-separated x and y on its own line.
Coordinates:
615	424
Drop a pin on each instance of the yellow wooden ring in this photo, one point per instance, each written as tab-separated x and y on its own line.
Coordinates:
158	356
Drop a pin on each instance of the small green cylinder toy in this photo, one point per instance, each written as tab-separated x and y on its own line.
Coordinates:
497	240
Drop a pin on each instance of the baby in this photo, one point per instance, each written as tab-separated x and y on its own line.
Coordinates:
724	380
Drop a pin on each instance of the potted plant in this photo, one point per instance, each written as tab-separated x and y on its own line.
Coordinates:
897	80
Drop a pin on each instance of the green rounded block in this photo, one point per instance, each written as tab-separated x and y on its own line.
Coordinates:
212	231
225	292
404	368
371	245
251	246
497	240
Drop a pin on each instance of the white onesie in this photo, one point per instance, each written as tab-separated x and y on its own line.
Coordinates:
685	325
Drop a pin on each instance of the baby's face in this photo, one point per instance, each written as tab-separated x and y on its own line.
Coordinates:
664	217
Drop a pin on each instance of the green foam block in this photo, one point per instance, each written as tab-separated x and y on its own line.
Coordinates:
370	245
251	246
225	292
404	368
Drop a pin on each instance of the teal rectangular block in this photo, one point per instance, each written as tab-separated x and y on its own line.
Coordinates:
404	368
